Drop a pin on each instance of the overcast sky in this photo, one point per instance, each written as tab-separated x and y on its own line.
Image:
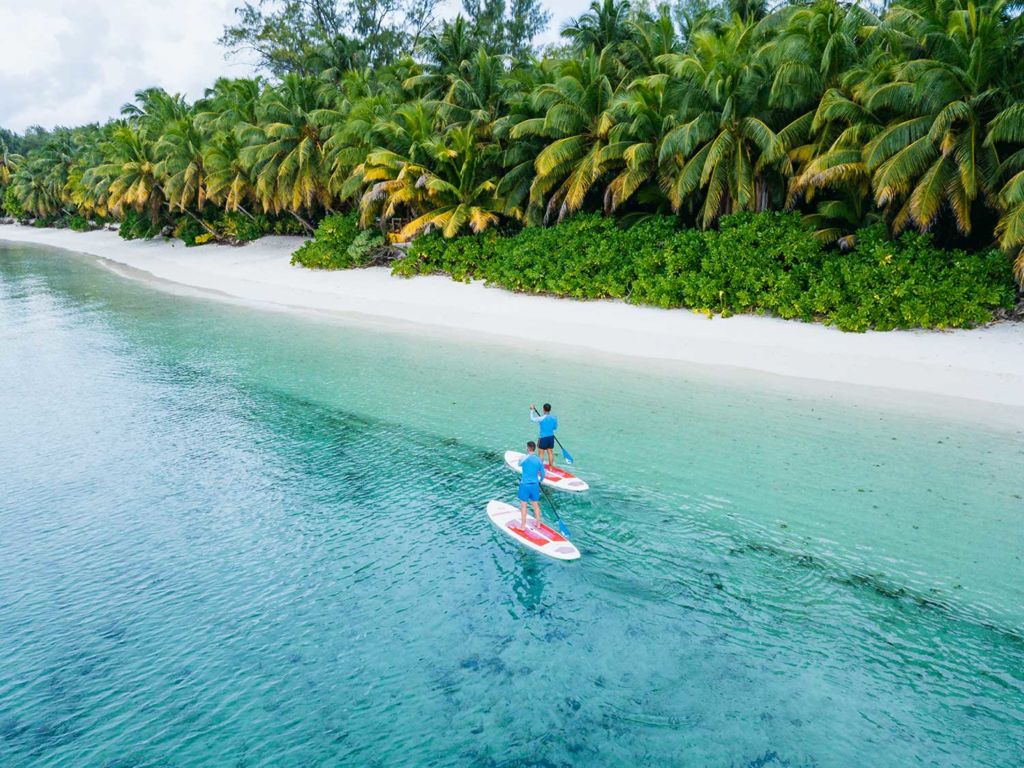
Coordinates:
69	62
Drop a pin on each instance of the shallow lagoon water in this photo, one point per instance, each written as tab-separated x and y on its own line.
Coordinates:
238	537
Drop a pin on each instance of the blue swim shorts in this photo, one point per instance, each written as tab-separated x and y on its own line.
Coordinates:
529	492
543	443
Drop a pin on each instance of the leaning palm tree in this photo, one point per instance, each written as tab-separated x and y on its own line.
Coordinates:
725	144
577	118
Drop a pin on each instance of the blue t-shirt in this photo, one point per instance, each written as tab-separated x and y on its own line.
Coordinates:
547	423
533	469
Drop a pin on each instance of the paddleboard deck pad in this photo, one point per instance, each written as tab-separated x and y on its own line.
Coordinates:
555	477
543	539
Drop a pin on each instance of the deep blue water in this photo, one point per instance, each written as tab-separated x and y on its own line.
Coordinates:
241	538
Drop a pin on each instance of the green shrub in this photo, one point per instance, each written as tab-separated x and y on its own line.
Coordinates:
137	226
587	257
12	206
191	231
339	243
288	225
79	223
242	227
908	282
763	263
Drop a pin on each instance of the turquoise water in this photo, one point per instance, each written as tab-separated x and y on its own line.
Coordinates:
243	538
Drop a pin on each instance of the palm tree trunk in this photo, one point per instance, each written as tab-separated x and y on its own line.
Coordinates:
306	224
201	223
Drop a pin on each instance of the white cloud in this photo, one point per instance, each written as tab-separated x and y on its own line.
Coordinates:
69	62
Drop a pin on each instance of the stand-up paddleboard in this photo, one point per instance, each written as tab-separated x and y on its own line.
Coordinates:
554	477
547	541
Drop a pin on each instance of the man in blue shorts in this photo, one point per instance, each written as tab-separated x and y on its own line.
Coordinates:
529	485
548	424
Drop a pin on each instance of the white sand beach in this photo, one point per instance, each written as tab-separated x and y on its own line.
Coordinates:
984	364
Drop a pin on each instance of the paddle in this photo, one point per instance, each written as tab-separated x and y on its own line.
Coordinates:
565	454
561	526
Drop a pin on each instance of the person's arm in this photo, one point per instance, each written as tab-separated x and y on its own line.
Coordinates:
534	416
543	473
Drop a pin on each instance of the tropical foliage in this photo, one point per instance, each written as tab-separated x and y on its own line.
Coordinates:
910	120
754	262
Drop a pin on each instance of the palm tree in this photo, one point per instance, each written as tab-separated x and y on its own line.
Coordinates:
41	181
605	25
810	47
932	155
725	143
285	151
127	178
8	163
182	164
228	182
650	39
408	132
153	110
446	50
228	104
644	113
832	164
32	188
475	92
577	118
451	187
1008	128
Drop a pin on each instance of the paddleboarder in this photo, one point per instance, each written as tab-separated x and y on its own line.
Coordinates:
529	485
547	424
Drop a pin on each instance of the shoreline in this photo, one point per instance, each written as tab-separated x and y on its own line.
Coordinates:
984	364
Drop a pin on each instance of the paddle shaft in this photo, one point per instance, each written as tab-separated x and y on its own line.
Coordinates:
561	526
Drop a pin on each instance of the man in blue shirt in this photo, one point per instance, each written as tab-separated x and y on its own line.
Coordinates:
548	424
529	485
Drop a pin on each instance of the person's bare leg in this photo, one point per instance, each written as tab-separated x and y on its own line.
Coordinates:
536	511
522	511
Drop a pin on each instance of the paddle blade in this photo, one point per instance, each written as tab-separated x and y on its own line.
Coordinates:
562	529
567	456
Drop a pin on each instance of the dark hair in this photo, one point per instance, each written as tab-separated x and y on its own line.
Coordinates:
531	445
547	407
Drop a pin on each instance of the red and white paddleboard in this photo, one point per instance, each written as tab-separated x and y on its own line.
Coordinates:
555	477
547	541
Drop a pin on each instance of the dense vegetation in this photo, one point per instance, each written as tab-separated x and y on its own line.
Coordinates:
753	262
869	126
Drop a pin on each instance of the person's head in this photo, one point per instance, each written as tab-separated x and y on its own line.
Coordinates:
547	407
530	446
